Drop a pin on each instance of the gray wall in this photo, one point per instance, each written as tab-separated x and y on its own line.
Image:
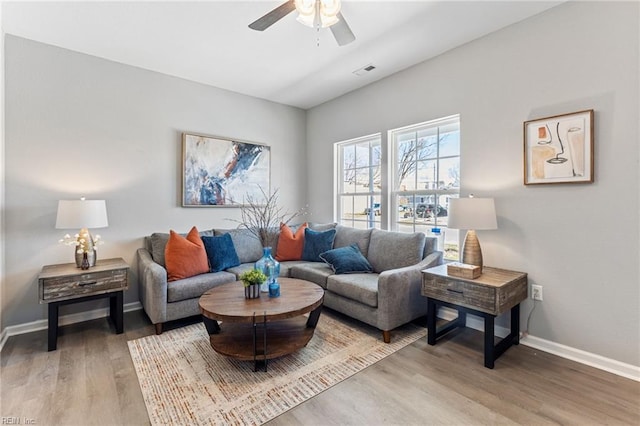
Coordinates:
578	241
78	125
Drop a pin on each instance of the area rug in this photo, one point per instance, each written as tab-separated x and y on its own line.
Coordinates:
185	382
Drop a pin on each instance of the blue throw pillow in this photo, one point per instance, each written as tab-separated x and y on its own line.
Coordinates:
221	252
316	243
347	260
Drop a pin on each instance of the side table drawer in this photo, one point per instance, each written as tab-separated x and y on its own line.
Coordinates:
82	284
462	293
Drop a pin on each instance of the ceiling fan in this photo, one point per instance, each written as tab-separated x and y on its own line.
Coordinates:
312	13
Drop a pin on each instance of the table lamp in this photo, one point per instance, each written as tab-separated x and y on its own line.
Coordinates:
82	214
472	214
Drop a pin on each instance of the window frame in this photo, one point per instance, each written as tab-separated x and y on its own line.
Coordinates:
372	220
388	192
435	193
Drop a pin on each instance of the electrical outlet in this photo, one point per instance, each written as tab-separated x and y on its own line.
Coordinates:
536	292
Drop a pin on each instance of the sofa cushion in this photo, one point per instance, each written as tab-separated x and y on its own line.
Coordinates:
317	242
220	252
362	288
158	242
315	272
345	236
322	226
193	287
392	250
290	245
185	257
240	269
246	244
346	260
285	267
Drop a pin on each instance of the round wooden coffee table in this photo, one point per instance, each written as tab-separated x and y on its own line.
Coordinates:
263	328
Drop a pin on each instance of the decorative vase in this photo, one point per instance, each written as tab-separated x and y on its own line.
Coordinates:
90	256
269	266
274	289
252	291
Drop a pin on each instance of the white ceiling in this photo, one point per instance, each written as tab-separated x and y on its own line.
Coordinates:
209	41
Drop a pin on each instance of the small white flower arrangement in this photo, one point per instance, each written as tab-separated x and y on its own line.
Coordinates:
83	241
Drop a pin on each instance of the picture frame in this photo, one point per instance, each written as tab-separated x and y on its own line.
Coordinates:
223	172
559	149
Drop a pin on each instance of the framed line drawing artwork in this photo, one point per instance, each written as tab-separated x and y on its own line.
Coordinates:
559	149
220	172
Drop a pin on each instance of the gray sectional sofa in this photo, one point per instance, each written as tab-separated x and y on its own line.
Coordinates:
386	298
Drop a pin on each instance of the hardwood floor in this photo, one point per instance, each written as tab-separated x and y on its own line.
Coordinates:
90	379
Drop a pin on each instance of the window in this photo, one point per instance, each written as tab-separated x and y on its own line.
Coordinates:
359	182
426	174
409	191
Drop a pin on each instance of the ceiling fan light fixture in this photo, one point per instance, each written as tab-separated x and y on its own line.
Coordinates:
323	13
306	12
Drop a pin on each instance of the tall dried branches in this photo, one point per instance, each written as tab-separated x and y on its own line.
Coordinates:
263	215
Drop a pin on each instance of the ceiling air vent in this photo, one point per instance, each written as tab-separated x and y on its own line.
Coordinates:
362	71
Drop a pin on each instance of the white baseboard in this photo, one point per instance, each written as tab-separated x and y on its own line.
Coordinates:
597	361
42	324
607	364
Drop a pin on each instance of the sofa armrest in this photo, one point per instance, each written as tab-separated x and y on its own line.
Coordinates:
399	293
153	283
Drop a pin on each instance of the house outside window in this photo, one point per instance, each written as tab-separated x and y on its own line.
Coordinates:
358	192
425	176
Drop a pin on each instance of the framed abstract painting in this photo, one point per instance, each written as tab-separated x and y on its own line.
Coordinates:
559	149
219	172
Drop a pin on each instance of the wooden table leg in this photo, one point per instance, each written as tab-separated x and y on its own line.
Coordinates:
212	326
489	356
431	321
53	326
515	324
116	310
313	317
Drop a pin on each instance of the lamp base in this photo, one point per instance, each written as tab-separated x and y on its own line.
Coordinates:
92	257
471	252
85	242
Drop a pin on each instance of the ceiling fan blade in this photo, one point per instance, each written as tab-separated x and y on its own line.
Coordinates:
342	32
274	16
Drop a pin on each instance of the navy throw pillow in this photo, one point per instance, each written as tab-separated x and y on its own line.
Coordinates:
316	243
347	260
221	252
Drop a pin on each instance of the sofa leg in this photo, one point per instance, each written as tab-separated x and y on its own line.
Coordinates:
386	336
158	328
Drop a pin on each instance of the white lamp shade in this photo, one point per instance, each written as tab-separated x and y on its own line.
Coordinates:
472	213
77	214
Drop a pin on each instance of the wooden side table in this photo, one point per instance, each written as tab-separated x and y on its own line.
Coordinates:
491	294
66	283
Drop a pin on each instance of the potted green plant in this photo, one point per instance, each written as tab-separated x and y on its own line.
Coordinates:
252	280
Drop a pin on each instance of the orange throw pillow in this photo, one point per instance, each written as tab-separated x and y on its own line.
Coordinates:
289	245
185	257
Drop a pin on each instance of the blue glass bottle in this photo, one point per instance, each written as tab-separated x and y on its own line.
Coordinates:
269	266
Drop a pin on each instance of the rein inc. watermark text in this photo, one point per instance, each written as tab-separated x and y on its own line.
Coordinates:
17	421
